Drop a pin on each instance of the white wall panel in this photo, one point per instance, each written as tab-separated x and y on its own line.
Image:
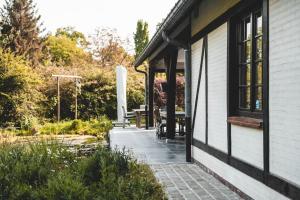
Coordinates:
285	89
246	184
217	84
199	129
247	145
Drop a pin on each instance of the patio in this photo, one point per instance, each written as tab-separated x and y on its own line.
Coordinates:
182	180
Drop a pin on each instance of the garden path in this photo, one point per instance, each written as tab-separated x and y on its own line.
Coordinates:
182	180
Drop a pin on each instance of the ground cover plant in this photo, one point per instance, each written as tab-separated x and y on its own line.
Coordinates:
96	127
50	171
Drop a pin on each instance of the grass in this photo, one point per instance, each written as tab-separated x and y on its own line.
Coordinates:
96	127
48	170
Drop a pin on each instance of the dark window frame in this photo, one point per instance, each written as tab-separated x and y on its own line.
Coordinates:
234	63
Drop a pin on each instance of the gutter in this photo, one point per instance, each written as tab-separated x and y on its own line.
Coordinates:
180	9
146	94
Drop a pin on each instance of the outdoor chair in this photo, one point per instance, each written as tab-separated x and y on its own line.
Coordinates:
160	124
127	116
181	123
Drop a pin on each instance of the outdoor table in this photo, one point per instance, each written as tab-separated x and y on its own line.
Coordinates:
138	115
180	115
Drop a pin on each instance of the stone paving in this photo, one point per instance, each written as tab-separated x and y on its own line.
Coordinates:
190	182
182	181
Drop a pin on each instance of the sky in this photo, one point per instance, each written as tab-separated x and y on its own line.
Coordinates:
87	15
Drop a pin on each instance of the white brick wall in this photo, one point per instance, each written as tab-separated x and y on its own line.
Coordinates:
217	92
248	185
199	129
247	145
285	89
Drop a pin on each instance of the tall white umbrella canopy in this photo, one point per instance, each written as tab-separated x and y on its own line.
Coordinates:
121	90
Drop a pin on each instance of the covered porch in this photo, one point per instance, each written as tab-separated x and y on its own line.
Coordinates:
169	52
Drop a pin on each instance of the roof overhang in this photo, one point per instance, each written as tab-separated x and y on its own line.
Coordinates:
174	24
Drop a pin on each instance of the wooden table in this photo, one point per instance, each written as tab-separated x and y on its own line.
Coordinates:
178	114
138	116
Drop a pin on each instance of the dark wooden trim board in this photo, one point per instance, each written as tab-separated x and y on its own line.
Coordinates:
206	89
223	18
246	121
266	137
222	180
262	175
280	185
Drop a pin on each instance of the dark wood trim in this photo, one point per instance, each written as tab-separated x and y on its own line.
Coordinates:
280	185
150	92
222	180
246	121
265	16
223	18
171	93
173	34
198	84
165	70
228	96
206	89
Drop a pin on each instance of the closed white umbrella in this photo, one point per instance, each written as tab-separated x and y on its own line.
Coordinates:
121	90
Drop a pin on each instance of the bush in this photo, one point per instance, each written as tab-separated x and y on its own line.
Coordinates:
96	127
20	97
50	171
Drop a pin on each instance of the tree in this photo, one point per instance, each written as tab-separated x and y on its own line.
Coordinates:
66	48
20	29
141	37
20	96
108	48
74	35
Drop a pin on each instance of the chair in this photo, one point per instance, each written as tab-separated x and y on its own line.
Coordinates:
160	124
127	116
181	123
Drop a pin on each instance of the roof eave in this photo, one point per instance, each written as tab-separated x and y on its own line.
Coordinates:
179	10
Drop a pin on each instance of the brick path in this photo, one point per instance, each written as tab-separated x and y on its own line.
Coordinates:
190	182
181	180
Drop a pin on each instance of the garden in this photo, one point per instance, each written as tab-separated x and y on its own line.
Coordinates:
42	156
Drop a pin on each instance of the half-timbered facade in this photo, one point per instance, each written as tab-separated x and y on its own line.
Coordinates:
241	63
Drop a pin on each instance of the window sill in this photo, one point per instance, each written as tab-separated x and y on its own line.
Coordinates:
246	122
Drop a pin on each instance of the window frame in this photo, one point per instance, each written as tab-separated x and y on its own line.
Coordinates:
234	64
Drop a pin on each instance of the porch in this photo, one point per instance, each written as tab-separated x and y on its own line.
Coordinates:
182	180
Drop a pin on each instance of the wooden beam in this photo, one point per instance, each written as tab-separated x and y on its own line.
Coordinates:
171	93
150	95
181	27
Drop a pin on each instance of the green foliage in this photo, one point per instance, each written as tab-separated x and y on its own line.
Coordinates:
96	127
141	37
74	35
19	92
50	171
108	49
20	29
98	96
63	50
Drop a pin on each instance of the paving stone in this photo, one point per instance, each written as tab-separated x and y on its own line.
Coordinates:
182	181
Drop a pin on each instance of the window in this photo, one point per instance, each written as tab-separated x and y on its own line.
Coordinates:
248	64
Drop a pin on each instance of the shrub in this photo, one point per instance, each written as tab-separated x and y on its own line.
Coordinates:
96	127
50	171
20	97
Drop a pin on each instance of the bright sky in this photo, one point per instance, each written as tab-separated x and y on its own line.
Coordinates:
87	15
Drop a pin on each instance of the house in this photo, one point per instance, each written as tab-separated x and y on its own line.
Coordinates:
241	61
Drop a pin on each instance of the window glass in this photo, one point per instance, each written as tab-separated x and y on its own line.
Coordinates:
250	55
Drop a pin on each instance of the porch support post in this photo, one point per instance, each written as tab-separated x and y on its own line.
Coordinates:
150	93
188	103
171	94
